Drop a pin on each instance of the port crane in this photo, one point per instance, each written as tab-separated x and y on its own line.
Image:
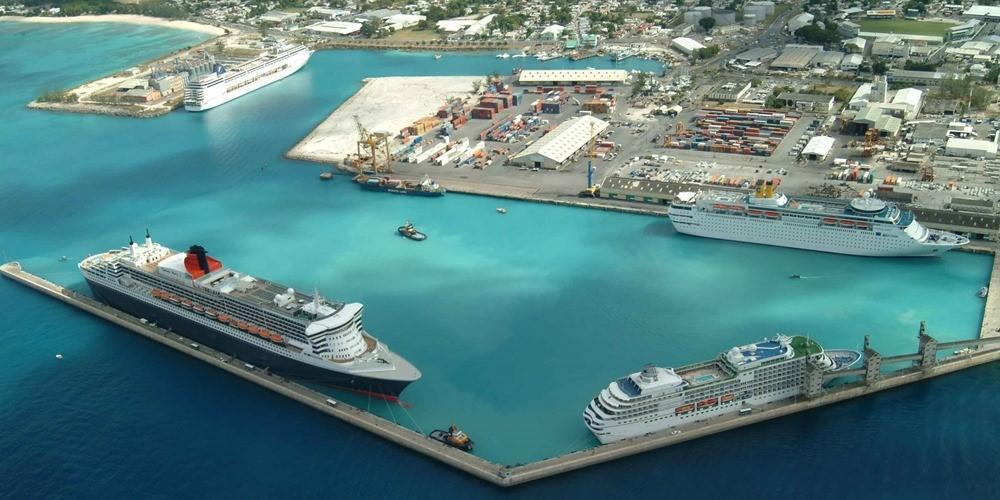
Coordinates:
373	150
592	191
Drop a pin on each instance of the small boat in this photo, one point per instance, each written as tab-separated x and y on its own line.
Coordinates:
326	176
58	356
452	437
503	56
411	232
796	276
437	56
501	210
983	292
960	352
63	258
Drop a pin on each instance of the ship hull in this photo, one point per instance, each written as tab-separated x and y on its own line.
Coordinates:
243	351
777	233
219	99
413	192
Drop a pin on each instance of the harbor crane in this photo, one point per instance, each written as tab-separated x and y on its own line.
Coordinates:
592	191
373	150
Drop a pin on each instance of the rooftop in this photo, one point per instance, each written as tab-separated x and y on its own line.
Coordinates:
530	76
566	139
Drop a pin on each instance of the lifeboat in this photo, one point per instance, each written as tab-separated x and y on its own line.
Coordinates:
198	308
211	314
187	304
727	398
861	225
242	326
253	329
264	333
720	206
847	223
753	212
683	409
705	403
277	338
772	215
829	221
173	299
223	318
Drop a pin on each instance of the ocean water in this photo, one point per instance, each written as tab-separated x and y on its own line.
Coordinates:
516	321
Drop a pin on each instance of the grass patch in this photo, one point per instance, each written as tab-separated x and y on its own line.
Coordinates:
905	27
412	35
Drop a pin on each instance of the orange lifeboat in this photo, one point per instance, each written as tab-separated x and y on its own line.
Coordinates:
753	212
683	409
242	326
223	318
829	221
847	223
277	338
266	334
173	299
200	309
253	329
727	398
187	304
705	403
211	313
861	225
772	215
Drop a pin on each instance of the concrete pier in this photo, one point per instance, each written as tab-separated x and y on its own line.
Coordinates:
924	365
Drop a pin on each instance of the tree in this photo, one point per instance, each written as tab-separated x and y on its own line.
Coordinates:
707	23
879	67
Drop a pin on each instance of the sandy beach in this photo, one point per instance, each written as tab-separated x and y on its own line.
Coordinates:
384	105
122	18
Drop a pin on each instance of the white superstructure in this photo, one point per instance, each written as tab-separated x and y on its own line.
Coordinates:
746	376
864	226
224	85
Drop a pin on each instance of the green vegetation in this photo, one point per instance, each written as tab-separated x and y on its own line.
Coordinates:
904	26
639	83
707	23
706	53
814	34
919	66
505	21
58	96
973	96
879	67
155	8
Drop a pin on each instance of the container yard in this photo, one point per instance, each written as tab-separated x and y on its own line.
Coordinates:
732	131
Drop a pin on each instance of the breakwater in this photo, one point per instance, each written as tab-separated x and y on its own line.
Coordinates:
925	364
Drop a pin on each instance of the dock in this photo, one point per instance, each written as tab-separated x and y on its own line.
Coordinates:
924	364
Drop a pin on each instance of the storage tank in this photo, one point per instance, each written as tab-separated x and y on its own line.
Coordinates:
692	17
724	17
750	19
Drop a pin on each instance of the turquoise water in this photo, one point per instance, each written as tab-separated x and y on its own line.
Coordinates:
516	321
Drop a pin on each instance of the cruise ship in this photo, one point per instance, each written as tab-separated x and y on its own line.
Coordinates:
258	321
658	398
862	226
224	85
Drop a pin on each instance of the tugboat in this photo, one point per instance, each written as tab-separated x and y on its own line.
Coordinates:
424	187
795	276
411	232
453	437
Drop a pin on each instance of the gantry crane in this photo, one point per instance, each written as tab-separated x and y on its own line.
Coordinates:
373	150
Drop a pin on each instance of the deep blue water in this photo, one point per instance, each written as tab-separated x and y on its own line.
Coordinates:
516	321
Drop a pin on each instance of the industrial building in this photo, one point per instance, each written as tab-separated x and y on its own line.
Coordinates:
828	59
851	62
759	54
336	28
819	103
970	148
800	21
686	45
729	91
556	149
919	77
856	45
818	148
890	46
983	12
796	56
572	76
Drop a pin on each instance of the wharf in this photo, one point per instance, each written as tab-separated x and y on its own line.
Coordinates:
501	475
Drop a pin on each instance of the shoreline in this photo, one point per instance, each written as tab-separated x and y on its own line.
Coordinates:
121	18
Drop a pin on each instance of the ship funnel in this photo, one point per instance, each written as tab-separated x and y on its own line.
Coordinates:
149	239
199	252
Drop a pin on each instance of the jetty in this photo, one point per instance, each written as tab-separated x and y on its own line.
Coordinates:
931	360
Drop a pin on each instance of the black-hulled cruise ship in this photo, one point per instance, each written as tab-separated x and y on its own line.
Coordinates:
257	321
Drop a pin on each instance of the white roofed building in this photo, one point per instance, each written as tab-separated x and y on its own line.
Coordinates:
818	148
335	28
552	32
970	148
686	45
800	21
556	149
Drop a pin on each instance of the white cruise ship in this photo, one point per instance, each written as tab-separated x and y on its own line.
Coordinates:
658	398
863	226
224	85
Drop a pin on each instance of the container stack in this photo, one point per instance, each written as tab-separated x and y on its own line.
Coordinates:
737	132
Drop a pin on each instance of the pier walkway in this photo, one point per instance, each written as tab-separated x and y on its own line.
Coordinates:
925	365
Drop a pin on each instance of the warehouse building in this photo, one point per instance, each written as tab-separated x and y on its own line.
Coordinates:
919	77
796	57
557	148
759	54
686	45
572	76
729	92
800	21
343	28
851	62
970	148
818	148
983	12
